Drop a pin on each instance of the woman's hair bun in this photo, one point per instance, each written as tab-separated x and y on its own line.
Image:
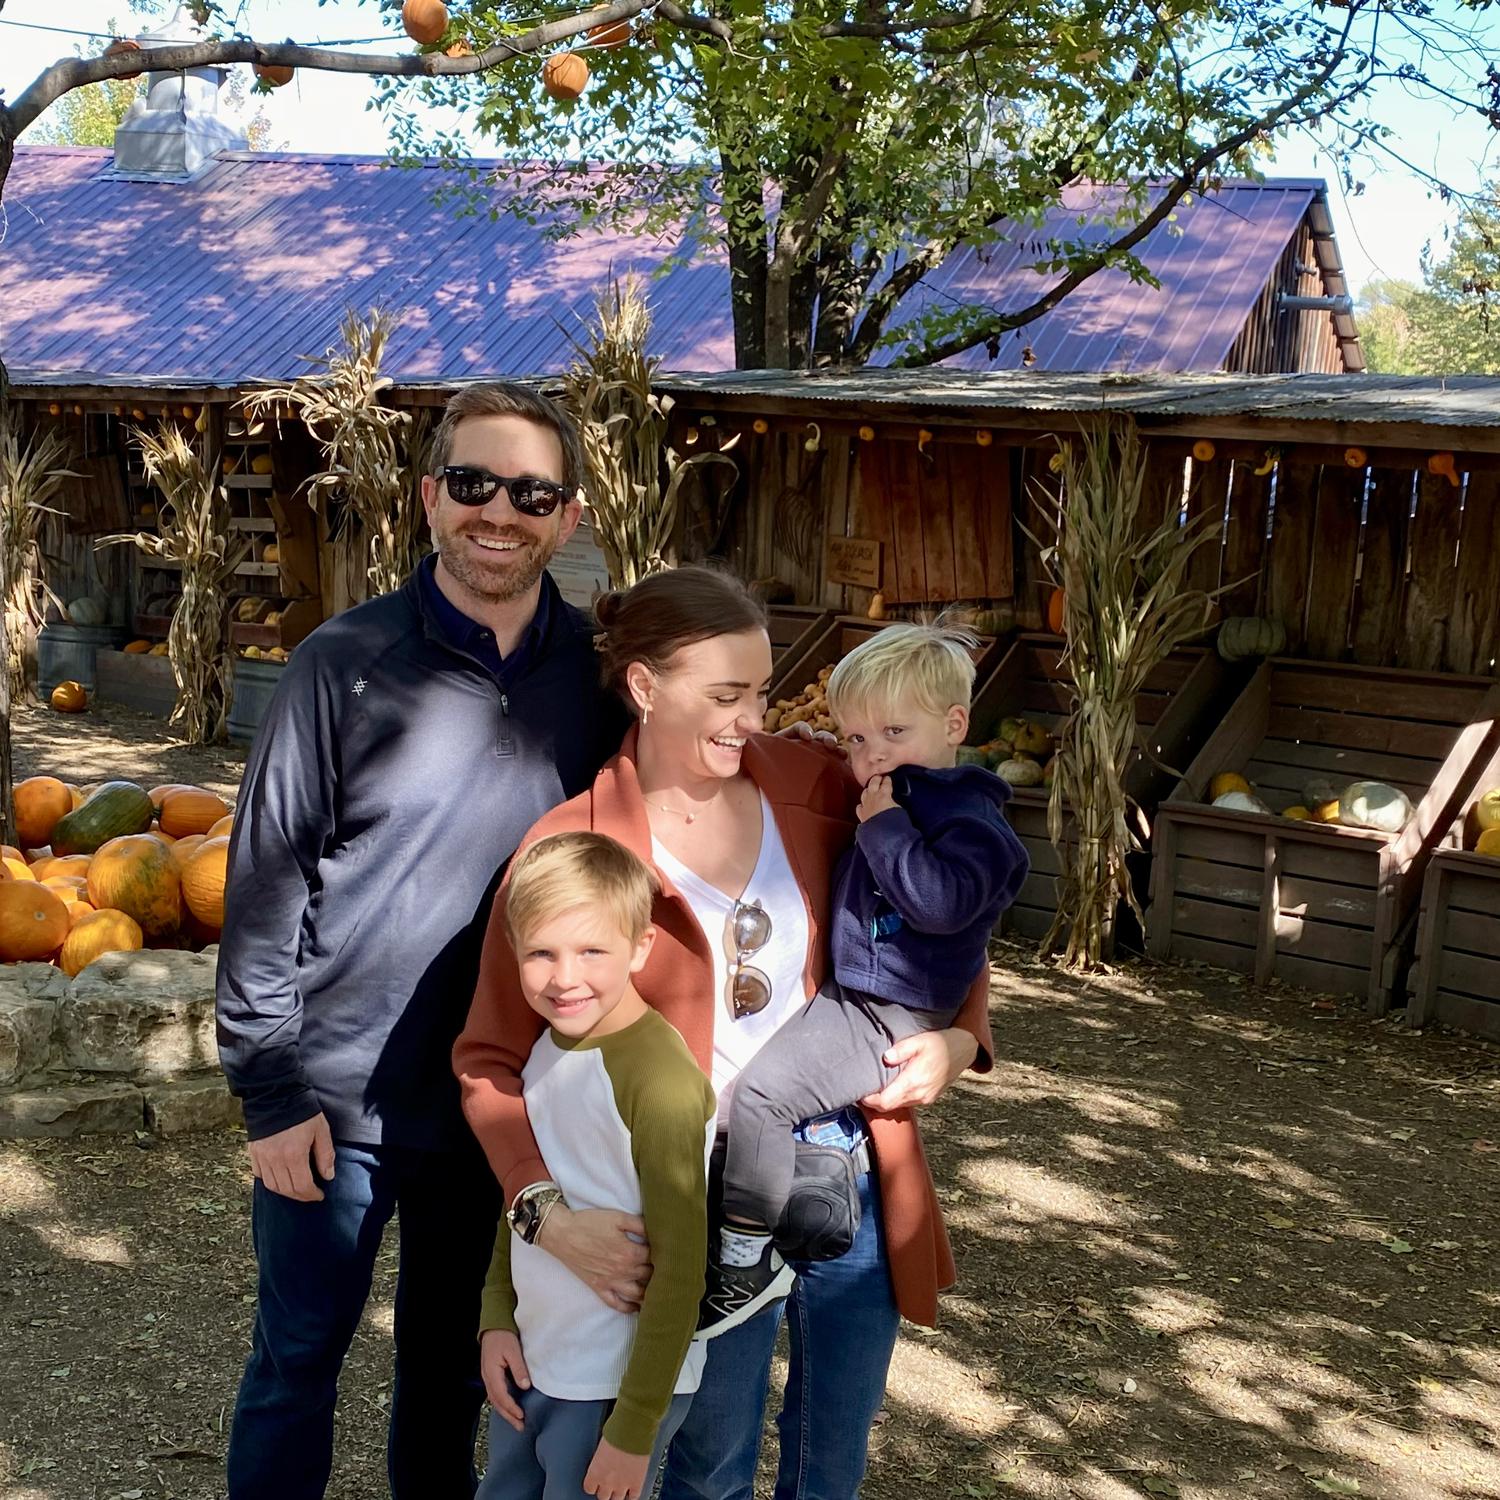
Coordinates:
607	607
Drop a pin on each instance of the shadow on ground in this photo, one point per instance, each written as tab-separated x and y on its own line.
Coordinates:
1213	1242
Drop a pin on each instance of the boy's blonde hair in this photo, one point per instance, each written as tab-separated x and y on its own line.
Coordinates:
572	870
929	664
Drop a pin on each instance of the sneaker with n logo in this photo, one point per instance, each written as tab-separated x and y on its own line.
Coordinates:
735	1294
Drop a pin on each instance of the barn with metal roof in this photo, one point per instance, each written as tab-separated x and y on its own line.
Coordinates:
236	274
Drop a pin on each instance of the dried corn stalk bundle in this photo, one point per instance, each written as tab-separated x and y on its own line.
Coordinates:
623	423
193	520
342	410
1128	607
30	476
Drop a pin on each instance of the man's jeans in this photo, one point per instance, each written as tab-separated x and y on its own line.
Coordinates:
842	1320
316	1263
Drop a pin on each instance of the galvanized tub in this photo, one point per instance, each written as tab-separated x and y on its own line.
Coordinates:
67	652
254	683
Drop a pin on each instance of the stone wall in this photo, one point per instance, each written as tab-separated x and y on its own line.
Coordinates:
128	1045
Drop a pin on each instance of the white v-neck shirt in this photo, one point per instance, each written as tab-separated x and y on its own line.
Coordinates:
783	959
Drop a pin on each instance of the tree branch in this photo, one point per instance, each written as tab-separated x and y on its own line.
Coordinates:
74	72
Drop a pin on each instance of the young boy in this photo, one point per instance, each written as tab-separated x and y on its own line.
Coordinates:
933	865
586	1398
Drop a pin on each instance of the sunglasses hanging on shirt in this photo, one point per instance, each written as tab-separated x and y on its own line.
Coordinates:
747	931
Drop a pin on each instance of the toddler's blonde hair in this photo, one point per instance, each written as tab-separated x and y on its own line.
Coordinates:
929	664
572	870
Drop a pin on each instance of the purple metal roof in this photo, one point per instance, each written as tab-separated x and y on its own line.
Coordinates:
236	275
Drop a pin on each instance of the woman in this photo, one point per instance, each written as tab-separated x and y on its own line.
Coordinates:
727	816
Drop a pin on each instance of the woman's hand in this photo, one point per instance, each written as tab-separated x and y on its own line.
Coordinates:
802	730
604	1249
929	1062
500	1363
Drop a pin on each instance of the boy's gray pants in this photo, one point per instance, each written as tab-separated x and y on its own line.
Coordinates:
549	1458
827	1057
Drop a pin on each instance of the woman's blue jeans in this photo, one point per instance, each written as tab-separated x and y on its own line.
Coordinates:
842	1322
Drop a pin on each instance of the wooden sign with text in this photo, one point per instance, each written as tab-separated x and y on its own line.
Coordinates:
854	559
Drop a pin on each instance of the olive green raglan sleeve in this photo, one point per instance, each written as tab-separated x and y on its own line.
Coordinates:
666	1104
497	1308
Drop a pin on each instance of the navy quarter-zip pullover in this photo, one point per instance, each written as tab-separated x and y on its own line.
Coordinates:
392	779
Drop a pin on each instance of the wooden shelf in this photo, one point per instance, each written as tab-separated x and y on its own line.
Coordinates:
258	570
252	523
239	481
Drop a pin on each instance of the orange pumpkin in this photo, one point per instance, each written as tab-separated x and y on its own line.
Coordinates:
1056	605
158	794
62	864
39	802
33	921
67	888
76	793
190	809
203	877
95	934
77	912
565	75
223	828
424	20
136	874
166	838
183	849
18	869
274	75
69	698
123	47
610	34
136	648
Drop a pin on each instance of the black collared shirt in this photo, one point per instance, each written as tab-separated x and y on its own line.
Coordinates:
474	639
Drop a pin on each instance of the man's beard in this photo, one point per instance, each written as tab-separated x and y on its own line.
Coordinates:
514	574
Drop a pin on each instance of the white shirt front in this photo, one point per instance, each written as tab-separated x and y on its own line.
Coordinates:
783	960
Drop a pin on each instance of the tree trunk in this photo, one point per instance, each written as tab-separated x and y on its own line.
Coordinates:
843	283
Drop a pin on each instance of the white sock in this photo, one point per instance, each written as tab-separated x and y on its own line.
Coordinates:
739	1246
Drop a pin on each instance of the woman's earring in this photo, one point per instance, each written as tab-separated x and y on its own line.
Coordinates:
645	715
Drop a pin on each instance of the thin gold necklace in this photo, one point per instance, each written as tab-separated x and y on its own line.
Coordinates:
677	812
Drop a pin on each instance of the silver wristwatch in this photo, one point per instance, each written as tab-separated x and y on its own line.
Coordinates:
530	1207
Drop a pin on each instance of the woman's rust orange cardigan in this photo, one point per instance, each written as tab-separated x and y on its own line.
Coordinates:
810	797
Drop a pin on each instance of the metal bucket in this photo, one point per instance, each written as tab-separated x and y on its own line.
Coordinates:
67	652
254	683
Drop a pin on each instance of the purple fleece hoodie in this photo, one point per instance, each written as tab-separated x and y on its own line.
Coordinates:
916	897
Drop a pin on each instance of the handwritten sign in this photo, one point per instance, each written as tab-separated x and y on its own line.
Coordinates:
854	559
578	567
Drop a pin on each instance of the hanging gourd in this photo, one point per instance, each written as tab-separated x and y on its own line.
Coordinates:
1443	464
984	437
609	34
1356	458
760	426
867	434
565	76
1203	450
120	48
424	21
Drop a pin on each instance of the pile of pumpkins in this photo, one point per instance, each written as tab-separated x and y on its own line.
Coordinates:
1360	804
110	869
1019	751
809	707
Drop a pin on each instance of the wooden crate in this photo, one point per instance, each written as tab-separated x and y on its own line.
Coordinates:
1323	906
1456	976
794	627
140	682
839	637
1031	682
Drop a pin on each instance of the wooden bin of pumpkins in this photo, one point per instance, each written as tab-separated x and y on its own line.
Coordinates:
793	628
110	869
1456	976
1296	844
799	686
1018	712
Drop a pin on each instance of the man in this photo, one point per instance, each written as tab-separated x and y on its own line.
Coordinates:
411	743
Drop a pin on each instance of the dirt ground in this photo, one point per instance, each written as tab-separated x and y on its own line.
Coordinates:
1212	1240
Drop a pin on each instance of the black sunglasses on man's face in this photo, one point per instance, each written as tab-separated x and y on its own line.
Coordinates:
532	497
